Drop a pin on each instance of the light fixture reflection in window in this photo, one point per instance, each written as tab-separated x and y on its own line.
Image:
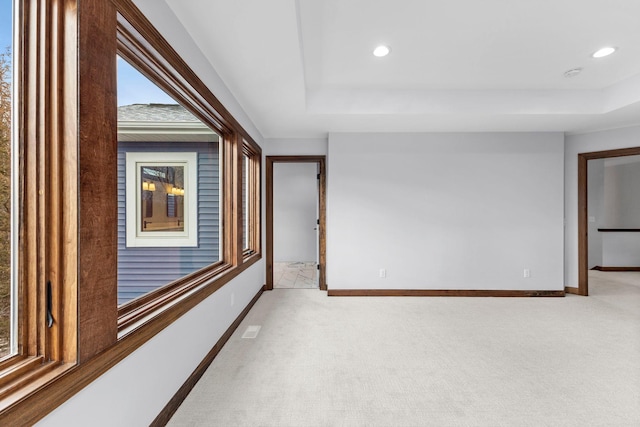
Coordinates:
177	191
149	186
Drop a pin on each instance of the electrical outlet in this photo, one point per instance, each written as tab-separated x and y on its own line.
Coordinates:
383	273
527	273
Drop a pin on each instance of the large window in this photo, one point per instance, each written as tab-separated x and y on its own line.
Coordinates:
177	154
169	193
130	208
6	151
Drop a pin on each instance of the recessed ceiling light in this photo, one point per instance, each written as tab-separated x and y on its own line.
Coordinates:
573	72
605	51
381	51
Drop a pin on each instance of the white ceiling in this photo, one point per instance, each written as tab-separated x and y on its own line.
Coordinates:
303	68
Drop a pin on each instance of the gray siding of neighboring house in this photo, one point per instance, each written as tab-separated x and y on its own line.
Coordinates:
141	270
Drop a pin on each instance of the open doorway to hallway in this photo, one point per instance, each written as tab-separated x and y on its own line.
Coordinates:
295	222
608	214
295	225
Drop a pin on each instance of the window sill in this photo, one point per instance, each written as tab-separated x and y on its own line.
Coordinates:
147	306
25	399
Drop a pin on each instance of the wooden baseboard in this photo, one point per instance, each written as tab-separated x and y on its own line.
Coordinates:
440	293
170	408
599	268
572	290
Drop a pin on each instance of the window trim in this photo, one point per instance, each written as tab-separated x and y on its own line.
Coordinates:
253	203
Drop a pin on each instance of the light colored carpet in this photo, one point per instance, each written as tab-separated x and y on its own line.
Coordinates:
320	361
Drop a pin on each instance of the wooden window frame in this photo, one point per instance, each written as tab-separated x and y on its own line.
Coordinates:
46	207
253	205
68	116
149	61
145	49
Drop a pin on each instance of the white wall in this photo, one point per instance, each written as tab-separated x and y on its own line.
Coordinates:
132	393
295	211
614	202
445	211
620	249
585	143
621	210
595	200
622	192
295	147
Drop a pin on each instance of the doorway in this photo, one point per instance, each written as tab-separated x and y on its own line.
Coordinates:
584	216
307	235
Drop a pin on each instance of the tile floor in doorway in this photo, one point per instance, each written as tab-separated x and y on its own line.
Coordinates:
295	274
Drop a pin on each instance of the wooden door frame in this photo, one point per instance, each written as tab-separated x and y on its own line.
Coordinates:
583	213
320	161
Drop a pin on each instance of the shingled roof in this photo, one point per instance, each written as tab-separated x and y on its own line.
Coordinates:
155	113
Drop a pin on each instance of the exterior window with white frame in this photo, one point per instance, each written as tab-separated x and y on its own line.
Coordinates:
161	199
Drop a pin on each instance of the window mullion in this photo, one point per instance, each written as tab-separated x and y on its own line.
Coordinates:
48	183
232	200
96	211
251	191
